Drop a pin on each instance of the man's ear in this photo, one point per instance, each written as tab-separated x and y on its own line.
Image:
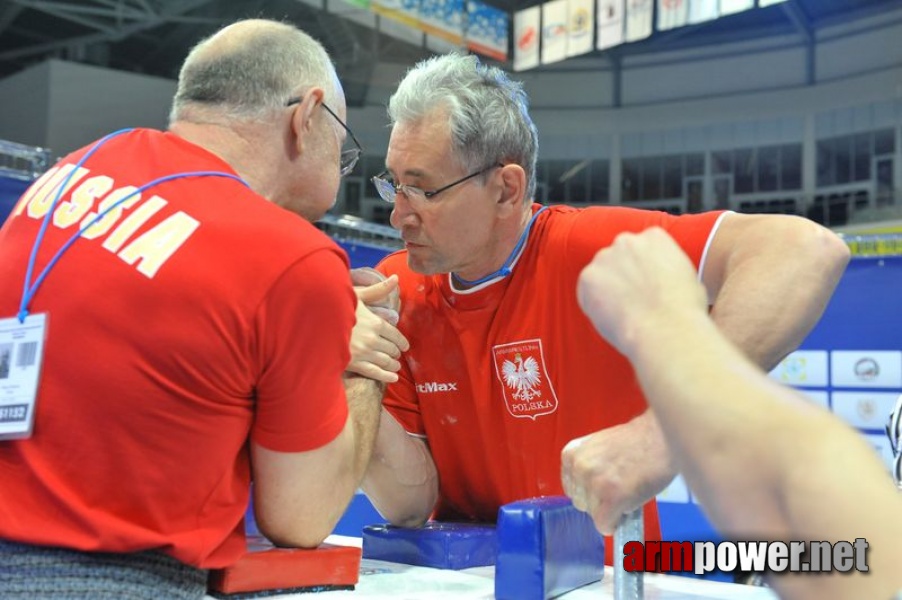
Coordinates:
302	117
513	188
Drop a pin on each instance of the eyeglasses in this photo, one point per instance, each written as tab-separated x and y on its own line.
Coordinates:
349	156
388	190
894	432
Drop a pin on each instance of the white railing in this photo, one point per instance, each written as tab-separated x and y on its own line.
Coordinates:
19	161
347	228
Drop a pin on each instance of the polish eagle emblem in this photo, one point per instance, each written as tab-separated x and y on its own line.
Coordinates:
522	376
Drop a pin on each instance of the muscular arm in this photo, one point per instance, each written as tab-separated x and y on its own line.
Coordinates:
765	463
300	496
314	428
769	279
401	481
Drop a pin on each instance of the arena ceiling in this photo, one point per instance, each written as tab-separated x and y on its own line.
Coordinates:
153	36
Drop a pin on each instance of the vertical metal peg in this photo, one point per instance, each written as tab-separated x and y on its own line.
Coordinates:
628	586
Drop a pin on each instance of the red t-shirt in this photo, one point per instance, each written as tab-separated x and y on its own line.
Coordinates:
498	379
194	319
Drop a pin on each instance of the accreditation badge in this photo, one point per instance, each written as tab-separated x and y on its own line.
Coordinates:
21	355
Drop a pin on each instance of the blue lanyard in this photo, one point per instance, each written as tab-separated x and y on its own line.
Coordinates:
30	290
505	269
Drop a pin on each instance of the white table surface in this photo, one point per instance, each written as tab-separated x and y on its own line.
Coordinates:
394	581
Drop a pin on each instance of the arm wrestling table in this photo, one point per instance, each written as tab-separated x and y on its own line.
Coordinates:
393	581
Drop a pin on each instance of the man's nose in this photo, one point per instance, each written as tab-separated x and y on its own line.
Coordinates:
402	212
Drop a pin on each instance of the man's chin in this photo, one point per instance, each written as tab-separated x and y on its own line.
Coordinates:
421	267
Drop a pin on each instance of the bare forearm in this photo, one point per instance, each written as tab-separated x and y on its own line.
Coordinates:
401	481
760	457
364	407
767	464
300	496
706	396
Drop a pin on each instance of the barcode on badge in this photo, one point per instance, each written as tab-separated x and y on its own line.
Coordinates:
27	353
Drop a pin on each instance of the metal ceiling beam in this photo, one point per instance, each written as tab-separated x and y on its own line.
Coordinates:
803	24
145	4
616	79
101	9
799	19
65	12
174	37
8	14
171	11
342	41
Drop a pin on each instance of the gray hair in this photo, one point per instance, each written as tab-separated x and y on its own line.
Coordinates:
487	111
250	69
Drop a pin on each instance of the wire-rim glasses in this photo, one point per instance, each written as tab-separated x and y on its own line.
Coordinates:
388	190
349	156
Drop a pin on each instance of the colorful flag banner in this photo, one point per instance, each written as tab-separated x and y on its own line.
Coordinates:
638	19
580	26
526	38
402	11
702	10
610	23
672	14
444	19
554	31
487	30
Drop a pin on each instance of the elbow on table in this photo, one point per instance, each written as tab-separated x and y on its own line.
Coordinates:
409	521
301	535
411	513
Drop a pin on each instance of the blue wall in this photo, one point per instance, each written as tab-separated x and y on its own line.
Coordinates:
363	255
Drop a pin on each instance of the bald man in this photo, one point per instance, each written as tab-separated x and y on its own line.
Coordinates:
212	324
